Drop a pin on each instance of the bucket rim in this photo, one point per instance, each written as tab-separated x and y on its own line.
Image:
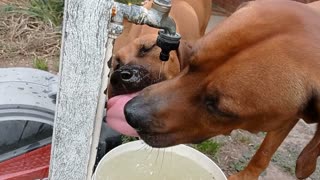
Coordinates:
181	149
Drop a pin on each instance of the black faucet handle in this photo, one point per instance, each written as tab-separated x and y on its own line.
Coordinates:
167	43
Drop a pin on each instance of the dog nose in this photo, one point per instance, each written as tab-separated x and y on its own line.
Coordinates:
136	114
129	78
126	75
122	75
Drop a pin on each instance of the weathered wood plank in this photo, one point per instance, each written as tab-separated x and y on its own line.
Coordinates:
78	111
101	107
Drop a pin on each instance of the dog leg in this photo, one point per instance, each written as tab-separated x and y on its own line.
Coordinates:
261	159
307	160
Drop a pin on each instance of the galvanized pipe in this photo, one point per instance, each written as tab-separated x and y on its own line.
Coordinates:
157	16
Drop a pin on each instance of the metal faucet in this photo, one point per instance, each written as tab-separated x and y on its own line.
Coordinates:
157	17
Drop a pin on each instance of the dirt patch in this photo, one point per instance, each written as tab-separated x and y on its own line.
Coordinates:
24	39
238	148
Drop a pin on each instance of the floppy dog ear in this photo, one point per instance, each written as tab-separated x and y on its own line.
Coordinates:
184	53
242	5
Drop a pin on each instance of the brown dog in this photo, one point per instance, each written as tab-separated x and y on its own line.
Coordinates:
136	62
259	71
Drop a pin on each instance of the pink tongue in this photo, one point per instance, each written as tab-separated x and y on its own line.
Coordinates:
115	114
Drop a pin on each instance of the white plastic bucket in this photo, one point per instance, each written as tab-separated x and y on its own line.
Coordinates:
182	150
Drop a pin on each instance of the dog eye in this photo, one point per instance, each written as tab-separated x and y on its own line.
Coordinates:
212	105
144	49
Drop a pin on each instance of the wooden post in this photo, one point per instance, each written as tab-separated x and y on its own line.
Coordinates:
83	77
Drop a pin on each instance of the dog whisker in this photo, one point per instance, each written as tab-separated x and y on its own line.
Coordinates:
163	156
157	156
149	154
142	147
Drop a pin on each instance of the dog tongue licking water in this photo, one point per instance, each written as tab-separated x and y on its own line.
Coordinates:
115	114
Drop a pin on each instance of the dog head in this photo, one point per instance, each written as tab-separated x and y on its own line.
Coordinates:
231	77
134	66
137	65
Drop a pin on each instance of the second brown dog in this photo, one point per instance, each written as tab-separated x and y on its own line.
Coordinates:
259	71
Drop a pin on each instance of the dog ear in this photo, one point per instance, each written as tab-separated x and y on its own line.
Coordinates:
242	5
184	53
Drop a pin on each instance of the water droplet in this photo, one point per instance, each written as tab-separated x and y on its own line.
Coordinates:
161	69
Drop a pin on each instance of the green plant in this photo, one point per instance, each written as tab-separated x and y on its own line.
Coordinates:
40	63
238	165
48	11
209	147
7	8
126	139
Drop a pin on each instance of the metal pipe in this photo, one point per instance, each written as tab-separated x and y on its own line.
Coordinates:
163	2
157	16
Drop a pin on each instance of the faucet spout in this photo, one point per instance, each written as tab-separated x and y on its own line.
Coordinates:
157	16
160	13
